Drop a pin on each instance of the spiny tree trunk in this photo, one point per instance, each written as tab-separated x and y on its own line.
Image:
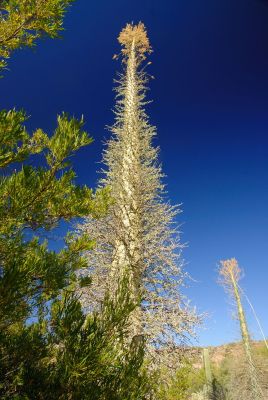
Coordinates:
139	236
230	274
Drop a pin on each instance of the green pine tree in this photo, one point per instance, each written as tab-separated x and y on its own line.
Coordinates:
22	22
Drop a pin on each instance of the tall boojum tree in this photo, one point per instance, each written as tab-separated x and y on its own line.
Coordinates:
139	235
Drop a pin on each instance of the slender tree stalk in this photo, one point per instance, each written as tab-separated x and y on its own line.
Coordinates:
255	315
230	274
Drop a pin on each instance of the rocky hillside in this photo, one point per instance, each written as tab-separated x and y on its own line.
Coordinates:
220	354
229	368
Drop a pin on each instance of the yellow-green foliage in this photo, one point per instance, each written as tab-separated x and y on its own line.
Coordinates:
187	380
24	21
261	350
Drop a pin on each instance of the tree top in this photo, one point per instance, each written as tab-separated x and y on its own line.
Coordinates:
229	268
137	34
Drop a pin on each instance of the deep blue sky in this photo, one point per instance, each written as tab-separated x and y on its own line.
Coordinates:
210	106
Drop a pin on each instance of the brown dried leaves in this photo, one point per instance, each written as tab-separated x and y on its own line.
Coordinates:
137	35
229	270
